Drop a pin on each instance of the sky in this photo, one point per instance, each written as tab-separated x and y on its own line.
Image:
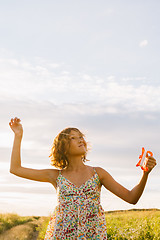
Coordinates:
86	64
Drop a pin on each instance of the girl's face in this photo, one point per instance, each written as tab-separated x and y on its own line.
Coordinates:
77	144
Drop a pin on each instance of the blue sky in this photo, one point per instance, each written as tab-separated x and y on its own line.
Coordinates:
88	64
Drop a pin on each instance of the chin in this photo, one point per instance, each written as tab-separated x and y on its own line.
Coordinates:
83	153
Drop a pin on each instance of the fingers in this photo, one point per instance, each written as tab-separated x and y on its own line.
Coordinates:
151	159
150	162
17	119
14	120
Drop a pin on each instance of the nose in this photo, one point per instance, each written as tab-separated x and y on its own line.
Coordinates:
80	140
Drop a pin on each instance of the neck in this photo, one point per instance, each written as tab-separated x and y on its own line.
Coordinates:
75	163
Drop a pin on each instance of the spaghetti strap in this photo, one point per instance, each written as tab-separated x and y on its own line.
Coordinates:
94	170
79	214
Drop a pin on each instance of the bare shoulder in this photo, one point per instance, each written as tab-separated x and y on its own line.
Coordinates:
53	174
101	173
106	179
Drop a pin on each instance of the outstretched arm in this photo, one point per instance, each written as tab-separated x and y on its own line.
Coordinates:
130	196
46	175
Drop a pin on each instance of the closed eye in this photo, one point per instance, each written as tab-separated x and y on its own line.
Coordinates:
81	137
72	138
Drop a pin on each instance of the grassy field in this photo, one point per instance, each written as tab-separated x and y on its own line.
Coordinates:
133	224
121	225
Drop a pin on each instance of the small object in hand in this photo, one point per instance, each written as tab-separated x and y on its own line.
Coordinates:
142	158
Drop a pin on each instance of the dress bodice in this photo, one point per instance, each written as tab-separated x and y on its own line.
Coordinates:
78	214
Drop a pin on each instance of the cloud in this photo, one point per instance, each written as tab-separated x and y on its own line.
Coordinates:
143	43
133	79
42	121
116	137
42	81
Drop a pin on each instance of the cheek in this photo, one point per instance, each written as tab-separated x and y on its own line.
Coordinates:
71	146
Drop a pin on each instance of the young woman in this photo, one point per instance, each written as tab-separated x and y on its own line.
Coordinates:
78	214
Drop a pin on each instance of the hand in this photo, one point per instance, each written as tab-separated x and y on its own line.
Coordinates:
16	126
150	163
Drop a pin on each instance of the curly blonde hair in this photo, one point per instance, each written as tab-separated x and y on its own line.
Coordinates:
60	146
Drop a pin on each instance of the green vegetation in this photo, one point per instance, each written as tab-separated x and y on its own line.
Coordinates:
135	225
9	220
121	225
42	228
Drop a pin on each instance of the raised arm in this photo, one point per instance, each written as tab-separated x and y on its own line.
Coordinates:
130	196
46	175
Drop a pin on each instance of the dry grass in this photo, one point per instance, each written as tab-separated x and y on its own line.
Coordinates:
14	227
9	220
20	232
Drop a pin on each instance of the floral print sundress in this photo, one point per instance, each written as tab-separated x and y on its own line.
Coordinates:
78	214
